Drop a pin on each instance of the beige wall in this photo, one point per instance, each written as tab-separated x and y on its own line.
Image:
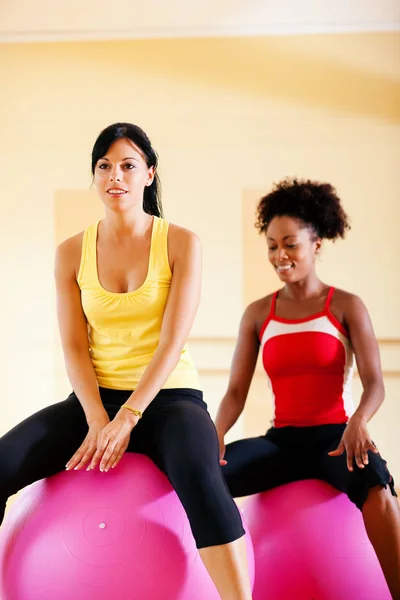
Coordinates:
228	118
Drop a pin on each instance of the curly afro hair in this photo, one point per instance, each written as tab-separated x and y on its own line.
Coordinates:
315	204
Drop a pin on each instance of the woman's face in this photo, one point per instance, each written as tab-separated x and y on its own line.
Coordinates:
122	174
292	248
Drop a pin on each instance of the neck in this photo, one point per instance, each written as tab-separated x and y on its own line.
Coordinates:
311	287
134	222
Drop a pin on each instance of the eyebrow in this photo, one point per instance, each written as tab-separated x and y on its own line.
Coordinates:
127	158
285	238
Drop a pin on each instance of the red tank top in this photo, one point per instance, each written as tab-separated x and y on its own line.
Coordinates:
309	363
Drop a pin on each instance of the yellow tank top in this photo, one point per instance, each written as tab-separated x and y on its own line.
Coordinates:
124	328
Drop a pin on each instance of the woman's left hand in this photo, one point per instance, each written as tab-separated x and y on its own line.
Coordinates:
356	442
113	440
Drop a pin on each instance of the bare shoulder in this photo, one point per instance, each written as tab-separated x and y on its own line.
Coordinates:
349	309
181	235
346	301
182	244
258	311
261	306
68	255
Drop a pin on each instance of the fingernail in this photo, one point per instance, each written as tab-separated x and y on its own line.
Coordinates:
76	468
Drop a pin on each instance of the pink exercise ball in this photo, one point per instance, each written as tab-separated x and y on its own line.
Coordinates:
310	543
120	535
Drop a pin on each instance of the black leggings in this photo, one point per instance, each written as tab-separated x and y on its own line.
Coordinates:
176	432
287	454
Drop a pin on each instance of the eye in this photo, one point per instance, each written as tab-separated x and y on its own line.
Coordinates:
129	166
103	166
291	246
271	248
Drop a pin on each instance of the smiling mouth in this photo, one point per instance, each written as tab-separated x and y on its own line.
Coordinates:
284	268
116	192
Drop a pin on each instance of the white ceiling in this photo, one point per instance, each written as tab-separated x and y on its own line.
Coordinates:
47	20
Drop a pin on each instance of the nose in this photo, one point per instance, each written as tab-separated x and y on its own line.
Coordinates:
116	174
282	255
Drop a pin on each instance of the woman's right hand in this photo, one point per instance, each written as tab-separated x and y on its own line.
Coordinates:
83	456
221	441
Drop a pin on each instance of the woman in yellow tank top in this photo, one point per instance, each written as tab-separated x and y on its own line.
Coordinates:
127	293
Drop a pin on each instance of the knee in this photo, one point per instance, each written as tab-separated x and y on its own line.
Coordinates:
378	493
8	473
4	467
379	498
5	483
6	488
233	480
193	471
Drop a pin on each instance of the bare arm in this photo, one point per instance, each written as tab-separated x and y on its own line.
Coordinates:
74	333
242	370
368	360
179	314
356	440
180	311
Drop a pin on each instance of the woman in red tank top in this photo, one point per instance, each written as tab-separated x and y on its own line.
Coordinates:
309	334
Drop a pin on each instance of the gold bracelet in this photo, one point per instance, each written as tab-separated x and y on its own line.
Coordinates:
135	411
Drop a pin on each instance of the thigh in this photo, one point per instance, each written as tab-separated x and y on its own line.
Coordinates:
357	483
41	445
179	431
180	437
257	464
